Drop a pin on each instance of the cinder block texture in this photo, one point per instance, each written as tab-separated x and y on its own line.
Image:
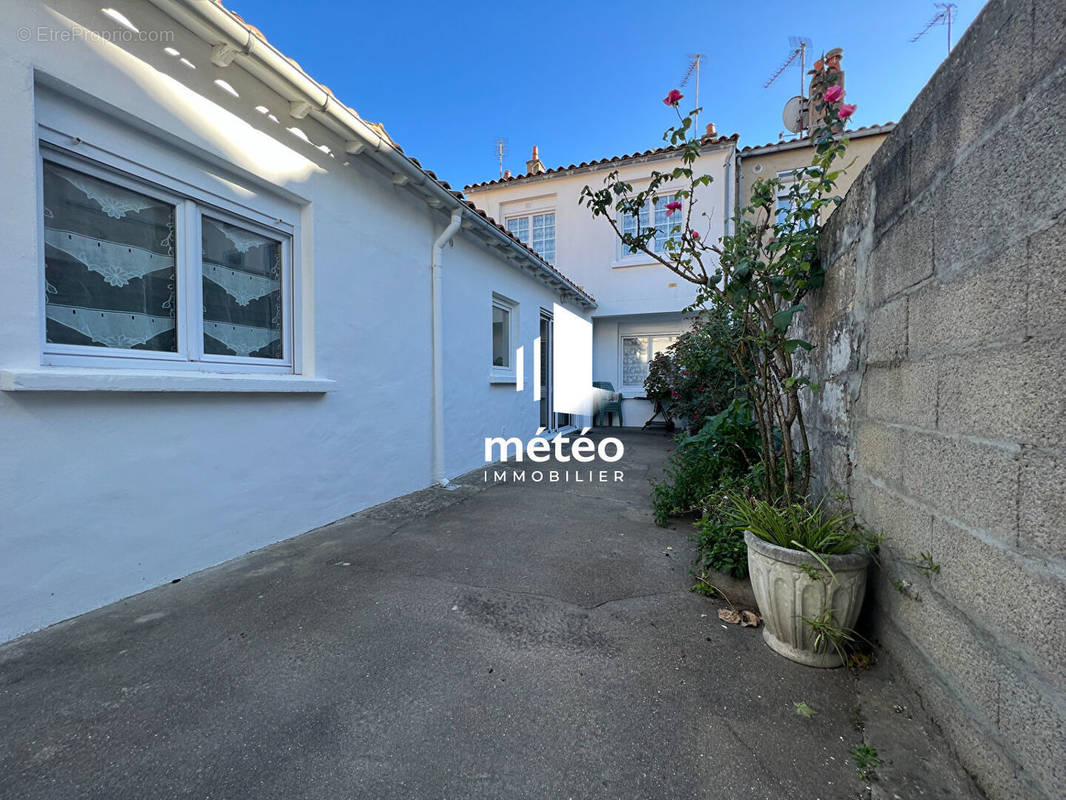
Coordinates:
1042	502
887	331
947	278
1011	393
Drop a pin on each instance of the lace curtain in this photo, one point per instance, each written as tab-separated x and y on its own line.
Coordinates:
110	268
242	292
109	264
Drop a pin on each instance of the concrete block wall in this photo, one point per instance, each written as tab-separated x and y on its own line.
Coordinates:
941	355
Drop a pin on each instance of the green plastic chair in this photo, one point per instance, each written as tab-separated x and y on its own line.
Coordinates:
609	404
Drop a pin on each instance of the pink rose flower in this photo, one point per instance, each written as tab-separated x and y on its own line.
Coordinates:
834	93
672	206
673	98
847	110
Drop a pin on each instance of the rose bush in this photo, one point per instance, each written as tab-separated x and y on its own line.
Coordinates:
756	276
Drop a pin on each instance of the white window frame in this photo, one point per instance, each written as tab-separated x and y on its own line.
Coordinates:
529	215
787	178
625	258
190	207
637	390
509	373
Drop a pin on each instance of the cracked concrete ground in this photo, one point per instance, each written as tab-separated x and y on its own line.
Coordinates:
521	640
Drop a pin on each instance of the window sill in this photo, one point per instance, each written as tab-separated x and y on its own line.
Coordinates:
636	261
512	379
46	379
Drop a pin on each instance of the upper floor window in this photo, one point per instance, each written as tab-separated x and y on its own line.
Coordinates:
537	231
664	224
785	201
137	272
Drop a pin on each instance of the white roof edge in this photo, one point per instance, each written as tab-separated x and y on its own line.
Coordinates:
218	26
721	143
795	144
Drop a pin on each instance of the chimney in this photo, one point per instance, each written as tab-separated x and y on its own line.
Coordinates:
534	166
827	72
712	132
506	174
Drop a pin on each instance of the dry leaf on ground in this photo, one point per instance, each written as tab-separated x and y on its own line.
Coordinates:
749	619
729	615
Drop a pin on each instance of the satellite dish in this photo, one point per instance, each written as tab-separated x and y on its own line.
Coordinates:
795	114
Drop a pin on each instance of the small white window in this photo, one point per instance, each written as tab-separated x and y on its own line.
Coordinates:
537	231
784	202
136	272
504	338
784	199
637	352
667	225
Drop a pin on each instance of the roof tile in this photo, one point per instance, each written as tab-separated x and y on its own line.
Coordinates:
611	160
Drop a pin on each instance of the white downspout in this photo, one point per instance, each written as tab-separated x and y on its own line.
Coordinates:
437	286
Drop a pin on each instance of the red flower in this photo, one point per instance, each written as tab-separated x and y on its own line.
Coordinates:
847	110
834	93
695	235
673	98
672	206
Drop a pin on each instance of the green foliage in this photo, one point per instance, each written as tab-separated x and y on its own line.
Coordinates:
695	378
721	547
925	564
866	760
906	588
804	710
659	385
800	526
703	589
756	277
829	635
722	451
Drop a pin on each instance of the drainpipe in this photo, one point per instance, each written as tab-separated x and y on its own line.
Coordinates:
727	226
437	284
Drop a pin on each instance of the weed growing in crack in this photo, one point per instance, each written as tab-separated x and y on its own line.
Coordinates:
866	760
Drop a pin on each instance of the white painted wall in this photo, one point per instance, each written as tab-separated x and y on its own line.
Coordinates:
104	494
587	248
634	294
606	356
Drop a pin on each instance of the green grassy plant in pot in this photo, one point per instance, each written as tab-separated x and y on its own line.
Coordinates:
808	572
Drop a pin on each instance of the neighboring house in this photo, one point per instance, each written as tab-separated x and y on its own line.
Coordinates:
218	326
782	159
639	302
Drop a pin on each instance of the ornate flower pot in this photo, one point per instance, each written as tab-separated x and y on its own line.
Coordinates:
786	594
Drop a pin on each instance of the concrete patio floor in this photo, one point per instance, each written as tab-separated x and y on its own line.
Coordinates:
509	640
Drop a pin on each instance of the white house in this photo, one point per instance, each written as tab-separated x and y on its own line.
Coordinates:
639	301
233	311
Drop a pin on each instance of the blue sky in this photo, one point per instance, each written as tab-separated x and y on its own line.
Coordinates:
584	80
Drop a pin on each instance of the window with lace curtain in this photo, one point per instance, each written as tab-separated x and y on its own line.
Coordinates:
137	272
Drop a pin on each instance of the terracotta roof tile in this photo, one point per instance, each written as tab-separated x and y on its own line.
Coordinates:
867	128
598	162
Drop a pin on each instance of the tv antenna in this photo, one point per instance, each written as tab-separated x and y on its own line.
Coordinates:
501	150
694	61
944	16
799	45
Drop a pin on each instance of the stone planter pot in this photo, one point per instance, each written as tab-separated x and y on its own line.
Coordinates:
786	594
